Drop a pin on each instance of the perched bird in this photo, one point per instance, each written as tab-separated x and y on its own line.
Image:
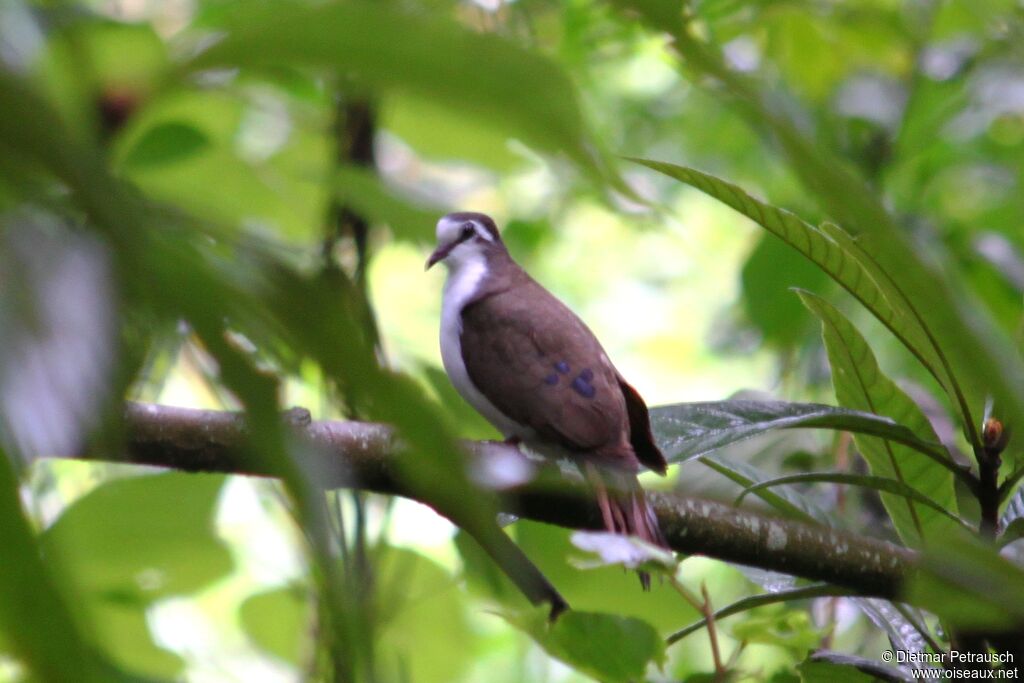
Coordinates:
536	372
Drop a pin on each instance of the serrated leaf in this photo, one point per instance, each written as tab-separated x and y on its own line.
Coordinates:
832	250
860	384
687	430
609	647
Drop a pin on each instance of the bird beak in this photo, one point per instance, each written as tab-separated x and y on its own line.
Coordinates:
438	255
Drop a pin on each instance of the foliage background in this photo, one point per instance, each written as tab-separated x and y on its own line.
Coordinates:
199	141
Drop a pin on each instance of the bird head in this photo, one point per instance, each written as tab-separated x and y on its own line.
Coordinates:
463	238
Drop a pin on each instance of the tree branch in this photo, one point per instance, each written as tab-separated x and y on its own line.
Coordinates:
361	455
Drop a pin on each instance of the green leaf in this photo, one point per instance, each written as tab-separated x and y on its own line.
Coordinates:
861	385
881	484
280	621
149	537
609	647
789	629
131	542
687	430
481	76
602	589
769	272
967	584
424	632
819	590
38	624
364	192
167	143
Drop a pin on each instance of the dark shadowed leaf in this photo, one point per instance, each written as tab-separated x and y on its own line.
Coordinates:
833	667
166	144
686	430
860	384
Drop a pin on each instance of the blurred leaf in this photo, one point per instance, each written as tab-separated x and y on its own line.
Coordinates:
770	270
968	585
164	546
166	144
861	385
440	131
256	165
424	633
131	542
365	193
280	621
687	430
609	647
99	73
483	576
38	625
480	76
881	484
790	629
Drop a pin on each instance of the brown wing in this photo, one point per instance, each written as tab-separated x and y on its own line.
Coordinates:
540	365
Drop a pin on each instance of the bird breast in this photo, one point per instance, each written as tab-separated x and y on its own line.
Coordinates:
461	287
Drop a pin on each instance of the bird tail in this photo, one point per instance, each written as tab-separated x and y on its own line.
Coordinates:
624	509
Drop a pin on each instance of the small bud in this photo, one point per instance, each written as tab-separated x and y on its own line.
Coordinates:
994	436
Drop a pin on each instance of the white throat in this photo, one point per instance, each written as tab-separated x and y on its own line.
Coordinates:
464	280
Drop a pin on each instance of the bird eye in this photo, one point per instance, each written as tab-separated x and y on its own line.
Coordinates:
467	231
